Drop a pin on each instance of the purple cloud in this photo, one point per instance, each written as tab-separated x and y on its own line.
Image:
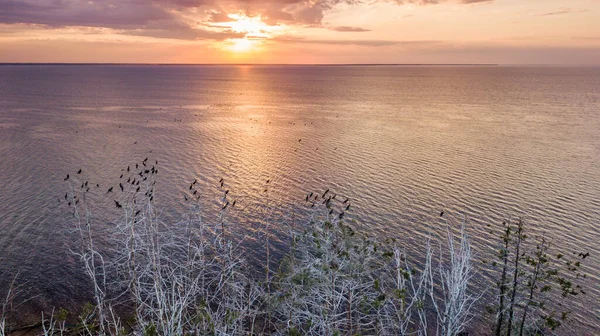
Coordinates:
171	18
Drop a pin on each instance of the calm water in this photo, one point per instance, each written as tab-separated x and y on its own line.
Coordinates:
402	143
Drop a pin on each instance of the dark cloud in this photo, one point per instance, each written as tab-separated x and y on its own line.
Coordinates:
349	29
61	13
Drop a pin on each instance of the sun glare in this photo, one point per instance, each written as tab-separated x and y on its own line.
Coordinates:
241	45
255	32
251	26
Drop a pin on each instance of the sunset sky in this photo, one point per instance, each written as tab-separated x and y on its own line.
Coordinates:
301	31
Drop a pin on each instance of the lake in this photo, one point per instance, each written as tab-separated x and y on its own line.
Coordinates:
402	143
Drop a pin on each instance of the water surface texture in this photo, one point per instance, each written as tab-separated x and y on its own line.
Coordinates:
402	143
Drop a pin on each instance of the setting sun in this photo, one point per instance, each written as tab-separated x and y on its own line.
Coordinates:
241	45
254	31
251	26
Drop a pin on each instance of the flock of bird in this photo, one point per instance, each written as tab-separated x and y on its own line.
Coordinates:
141	174
328	199
195	194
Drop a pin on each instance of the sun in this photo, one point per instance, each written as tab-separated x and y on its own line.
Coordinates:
254	32
242	45
251	26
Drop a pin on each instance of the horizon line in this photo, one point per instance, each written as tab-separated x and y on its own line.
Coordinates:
265	64
303	64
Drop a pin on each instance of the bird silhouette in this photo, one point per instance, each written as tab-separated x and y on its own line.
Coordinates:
185	197
348	207
79	171
233	204
66	178
65	196
121	176
118	205
137	212
442	213
346	201
121	186
128	169
138	189
109	190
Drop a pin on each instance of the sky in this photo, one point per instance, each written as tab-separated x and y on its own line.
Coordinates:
301	31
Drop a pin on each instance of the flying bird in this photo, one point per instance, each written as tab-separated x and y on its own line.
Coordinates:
109	190
118	205
79	171
66	178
